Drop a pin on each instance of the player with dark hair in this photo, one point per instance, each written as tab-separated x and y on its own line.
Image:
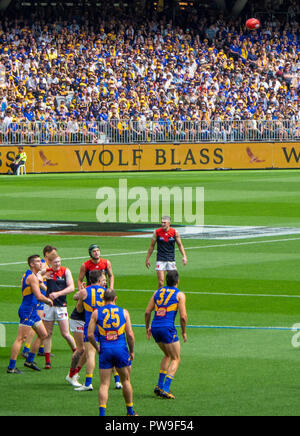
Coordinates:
116	348
49	253
90	299
165	237
95	263
165	303
29	319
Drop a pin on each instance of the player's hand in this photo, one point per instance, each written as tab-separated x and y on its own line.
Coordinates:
148	264
149	334
53	296
131	356
184	335
49	302
184	260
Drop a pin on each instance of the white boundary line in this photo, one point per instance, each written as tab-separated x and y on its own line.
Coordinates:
186	248
224	294
227	327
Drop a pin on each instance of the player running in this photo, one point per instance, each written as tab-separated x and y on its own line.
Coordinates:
29	318
59	284
115	332
166	302
95	263
165	238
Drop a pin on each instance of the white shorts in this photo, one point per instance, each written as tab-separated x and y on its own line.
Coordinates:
55	313
76	326
165	266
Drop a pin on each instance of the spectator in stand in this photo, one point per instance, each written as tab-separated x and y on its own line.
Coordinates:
99	69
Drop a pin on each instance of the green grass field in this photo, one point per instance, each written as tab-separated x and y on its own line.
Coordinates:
242	295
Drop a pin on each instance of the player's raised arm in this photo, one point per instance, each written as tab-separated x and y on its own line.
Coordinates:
181	247
151	249
182	314
148	312
81	296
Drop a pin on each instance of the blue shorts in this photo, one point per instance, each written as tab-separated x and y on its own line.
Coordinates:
165	335
114	356
28	316
40	306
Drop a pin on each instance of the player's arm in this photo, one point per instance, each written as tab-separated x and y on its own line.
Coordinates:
111	277
34	283
151	249
181	247
82	294
79	293
41	282
81	276
182	314
68	290
91	330
129	334
148	312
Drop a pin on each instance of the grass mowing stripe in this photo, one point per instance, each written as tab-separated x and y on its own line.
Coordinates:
225	294
186	248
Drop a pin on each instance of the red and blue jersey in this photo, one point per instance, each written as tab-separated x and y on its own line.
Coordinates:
165	245
56	282
91	266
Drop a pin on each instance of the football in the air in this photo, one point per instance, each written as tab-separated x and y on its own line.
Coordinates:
253	24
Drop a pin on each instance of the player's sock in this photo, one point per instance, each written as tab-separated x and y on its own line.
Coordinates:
42	349
167	383
117	377
30	357
72	372
130	410
88	379
78	369
102	410
26	348
161	379
12	364
47	358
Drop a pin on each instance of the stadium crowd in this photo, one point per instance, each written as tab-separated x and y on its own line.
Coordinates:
80	74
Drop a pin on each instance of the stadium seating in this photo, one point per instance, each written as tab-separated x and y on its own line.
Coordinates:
123	81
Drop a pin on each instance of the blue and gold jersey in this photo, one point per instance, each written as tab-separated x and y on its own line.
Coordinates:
29	298
166	306
93	301
111	326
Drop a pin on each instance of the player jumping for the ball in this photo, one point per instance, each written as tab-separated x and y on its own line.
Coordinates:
165	237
